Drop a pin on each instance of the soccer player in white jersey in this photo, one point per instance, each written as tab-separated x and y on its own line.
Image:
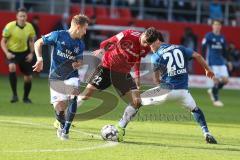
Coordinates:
170	69
214	44
66	59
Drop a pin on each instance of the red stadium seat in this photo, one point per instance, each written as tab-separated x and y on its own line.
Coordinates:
116	21
125	13
102	12
75	9
89	11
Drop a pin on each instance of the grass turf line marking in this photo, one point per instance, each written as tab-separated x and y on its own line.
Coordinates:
105	145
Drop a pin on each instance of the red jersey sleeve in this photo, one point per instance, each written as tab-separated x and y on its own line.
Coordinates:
113	40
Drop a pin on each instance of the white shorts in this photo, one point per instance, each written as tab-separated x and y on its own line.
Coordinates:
66	88
181	95
220	71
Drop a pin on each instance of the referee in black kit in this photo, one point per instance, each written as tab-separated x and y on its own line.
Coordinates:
18	45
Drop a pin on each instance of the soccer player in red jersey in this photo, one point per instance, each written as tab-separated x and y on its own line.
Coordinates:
121	53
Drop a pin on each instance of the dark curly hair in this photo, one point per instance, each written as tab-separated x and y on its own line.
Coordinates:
152	34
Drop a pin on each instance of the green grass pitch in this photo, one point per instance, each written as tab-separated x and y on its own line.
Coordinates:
165	132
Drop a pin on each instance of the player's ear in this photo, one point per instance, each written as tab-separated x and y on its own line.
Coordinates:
79	26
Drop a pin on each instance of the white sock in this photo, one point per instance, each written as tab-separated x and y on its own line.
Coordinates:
128	114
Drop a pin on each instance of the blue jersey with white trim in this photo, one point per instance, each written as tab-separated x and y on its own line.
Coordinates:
66	50
172	61
215	46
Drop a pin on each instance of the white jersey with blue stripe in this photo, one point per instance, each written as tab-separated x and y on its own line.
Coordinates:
172	61
215	46
66	50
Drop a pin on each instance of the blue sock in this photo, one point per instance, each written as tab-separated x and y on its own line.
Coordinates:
60	117
72	109
215	92
199	117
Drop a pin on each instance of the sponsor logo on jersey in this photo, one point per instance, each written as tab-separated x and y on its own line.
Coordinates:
67	54
218	45
128	46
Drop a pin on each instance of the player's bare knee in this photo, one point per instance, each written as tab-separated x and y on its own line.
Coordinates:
136	103
60	106
225	80
12	67
216	81
27	78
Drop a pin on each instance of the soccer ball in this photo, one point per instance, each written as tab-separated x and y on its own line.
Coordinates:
109	133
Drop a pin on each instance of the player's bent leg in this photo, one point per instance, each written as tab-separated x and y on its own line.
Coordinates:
71	111
86	94
27	88
129	112
13	82
60	108
200	119
214	93
12	67
59	102
56	124
189	103
215	89
223	81
156	96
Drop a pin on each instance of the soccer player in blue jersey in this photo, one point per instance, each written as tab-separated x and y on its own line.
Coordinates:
170	68
66	59
214	45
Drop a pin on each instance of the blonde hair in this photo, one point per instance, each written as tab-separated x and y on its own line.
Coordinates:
80	19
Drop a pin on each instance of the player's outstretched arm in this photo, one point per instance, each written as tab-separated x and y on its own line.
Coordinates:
202	62
38	51
110	42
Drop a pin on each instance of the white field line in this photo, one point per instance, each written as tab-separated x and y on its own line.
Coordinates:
105	145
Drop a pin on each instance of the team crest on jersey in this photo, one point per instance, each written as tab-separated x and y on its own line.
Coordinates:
76	49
